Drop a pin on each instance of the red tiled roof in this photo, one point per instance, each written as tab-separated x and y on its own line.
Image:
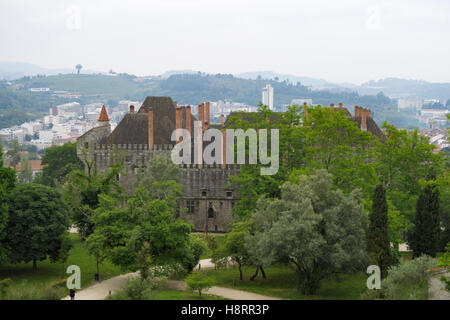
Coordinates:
36	165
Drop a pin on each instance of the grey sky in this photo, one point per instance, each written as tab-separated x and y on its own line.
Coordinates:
341	41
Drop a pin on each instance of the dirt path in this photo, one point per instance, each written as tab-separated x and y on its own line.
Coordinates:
100	291
232	294
436	290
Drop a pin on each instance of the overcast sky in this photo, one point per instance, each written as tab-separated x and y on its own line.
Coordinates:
341	41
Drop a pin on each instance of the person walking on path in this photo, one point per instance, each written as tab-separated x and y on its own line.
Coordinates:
72	294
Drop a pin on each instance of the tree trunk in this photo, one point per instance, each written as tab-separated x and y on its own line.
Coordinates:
262	272
97	268
34	265
252	278
240	271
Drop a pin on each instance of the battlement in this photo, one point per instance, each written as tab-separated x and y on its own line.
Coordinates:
132	147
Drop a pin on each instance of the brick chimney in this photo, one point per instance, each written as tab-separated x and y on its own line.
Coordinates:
188	118
224	146
357	113
178	120
206	119
340	105
222	119
331	105
364	114
131	109
201	115
150	129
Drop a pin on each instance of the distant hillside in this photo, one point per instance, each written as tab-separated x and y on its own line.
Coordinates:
404	87
306	81
196	87
16	70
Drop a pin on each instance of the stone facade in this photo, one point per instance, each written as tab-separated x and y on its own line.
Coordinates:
206	201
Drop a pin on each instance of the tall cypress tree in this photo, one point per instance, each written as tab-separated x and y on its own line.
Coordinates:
427	222
378	245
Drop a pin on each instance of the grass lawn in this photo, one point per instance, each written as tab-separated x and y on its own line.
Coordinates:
23	277
184	295
281	282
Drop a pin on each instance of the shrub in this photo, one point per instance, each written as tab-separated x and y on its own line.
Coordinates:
4	285
139	289
199	281
404	282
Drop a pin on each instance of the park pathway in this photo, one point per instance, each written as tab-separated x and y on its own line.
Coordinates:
436	289
101	290
231	294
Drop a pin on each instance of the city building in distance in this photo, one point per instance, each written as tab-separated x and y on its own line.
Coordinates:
267	96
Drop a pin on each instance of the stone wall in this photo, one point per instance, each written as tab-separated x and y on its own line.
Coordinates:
207	201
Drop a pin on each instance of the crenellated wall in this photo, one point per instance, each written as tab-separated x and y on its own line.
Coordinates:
207	200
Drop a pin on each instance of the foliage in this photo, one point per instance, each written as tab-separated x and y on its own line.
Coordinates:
144	224
406	281
25	175
249	182
58	162
4	284
161	179
403	160
81	192
199	281
318	229
198	246
140	289
378	246
7	183
64	250
234	246
425	238
444	260
27	284
37	220
335	143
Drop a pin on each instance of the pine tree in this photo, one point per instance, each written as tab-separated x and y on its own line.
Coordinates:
426	234
378	245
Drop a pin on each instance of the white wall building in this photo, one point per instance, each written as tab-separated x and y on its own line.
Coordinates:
267	96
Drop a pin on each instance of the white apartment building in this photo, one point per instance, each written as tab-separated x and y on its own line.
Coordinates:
267	96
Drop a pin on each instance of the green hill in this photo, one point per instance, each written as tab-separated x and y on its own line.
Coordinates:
184	88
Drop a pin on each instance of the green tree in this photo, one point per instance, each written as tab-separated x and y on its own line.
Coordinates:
407	281
378	246
95	243
335	143
14	154
25	173
81	192
7	183
144	233
318	229
161	178
65	246
249	182
58	162
402	161
38	218
425	238
199	281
